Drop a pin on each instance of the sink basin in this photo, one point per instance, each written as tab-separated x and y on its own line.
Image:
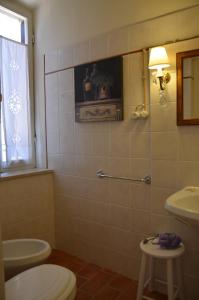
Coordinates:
185	204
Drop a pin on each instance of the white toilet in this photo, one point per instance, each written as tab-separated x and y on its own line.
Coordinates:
45	282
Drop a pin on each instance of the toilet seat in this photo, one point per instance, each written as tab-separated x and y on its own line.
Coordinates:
45	282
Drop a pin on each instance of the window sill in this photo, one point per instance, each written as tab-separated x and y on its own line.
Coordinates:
23	173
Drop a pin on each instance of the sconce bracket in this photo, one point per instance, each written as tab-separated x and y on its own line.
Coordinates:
162	80
167	77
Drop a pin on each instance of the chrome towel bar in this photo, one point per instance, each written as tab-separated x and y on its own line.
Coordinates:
146	179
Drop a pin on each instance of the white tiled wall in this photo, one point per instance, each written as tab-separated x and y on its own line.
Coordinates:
103	220
27	208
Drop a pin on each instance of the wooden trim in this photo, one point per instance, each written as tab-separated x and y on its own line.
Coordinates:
180	105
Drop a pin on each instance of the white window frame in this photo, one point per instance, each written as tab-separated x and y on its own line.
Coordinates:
18	9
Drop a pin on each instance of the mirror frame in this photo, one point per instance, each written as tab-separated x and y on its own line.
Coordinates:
179	67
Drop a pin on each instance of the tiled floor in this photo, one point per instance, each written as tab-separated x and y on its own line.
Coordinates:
95	283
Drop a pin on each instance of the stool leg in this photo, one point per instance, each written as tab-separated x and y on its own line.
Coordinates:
170	279
180	279
151	273
141	277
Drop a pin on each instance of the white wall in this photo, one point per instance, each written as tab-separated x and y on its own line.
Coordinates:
67	22
103	220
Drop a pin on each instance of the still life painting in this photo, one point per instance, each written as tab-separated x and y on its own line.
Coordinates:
98	91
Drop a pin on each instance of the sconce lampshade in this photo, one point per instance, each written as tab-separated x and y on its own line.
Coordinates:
158	58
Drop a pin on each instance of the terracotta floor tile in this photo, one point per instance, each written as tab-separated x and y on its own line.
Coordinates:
109	271
89	271
129	294
155	295
60	255
66	260
93	285
80	281
122	283
76	268
107	293
81	295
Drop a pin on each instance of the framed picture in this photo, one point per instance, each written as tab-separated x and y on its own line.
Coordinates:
98	91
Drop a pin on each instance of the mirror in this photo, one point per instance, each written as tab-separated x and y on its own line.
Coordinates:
188	87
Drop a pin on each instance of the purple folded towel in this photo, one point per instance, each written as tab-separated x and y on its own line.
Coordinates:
169	240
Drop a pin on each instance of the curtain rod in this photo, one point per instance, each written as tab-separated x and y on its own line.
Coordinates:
125	53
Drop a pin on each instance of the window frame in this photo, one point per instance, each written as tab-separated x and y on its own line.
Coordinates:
18	9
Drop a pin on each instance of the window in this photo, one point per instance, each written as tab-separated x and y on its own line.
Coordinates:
16	130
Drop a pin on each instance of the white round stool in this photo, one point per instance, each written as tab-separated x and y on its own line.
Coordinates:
152	251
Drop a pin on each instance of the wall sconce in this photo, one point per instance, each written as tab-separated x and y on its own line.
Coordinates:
158	59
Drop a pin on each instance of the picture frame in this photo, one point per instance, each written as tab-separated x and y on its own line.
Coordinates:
99	91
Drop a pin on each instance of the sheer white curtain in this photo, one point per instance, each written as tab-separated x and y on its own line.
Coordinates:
16	140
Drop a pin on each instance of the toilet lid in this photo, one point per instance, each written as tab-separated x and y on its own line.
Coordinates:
45	282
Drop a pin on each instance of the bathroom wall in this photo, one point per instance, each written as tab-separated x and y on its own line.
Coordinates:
27	207
67	22
103	220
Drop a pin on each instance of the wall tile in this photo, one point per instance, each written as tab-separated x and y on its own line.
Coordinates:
135	79
98	190
29	210
160	224
119	145
164	145
140	167
140	196
83	143
67	132
100	212
164	173
65	58
52	111
119	167
141	222
109	218
67	101
163	118
100	143
188	144
120	193
66	81
140	146
121	217
187	174
55	162
158	199
68	165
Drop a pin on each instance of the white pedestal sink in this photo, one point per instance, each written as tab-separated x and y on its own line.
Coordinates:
185	204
